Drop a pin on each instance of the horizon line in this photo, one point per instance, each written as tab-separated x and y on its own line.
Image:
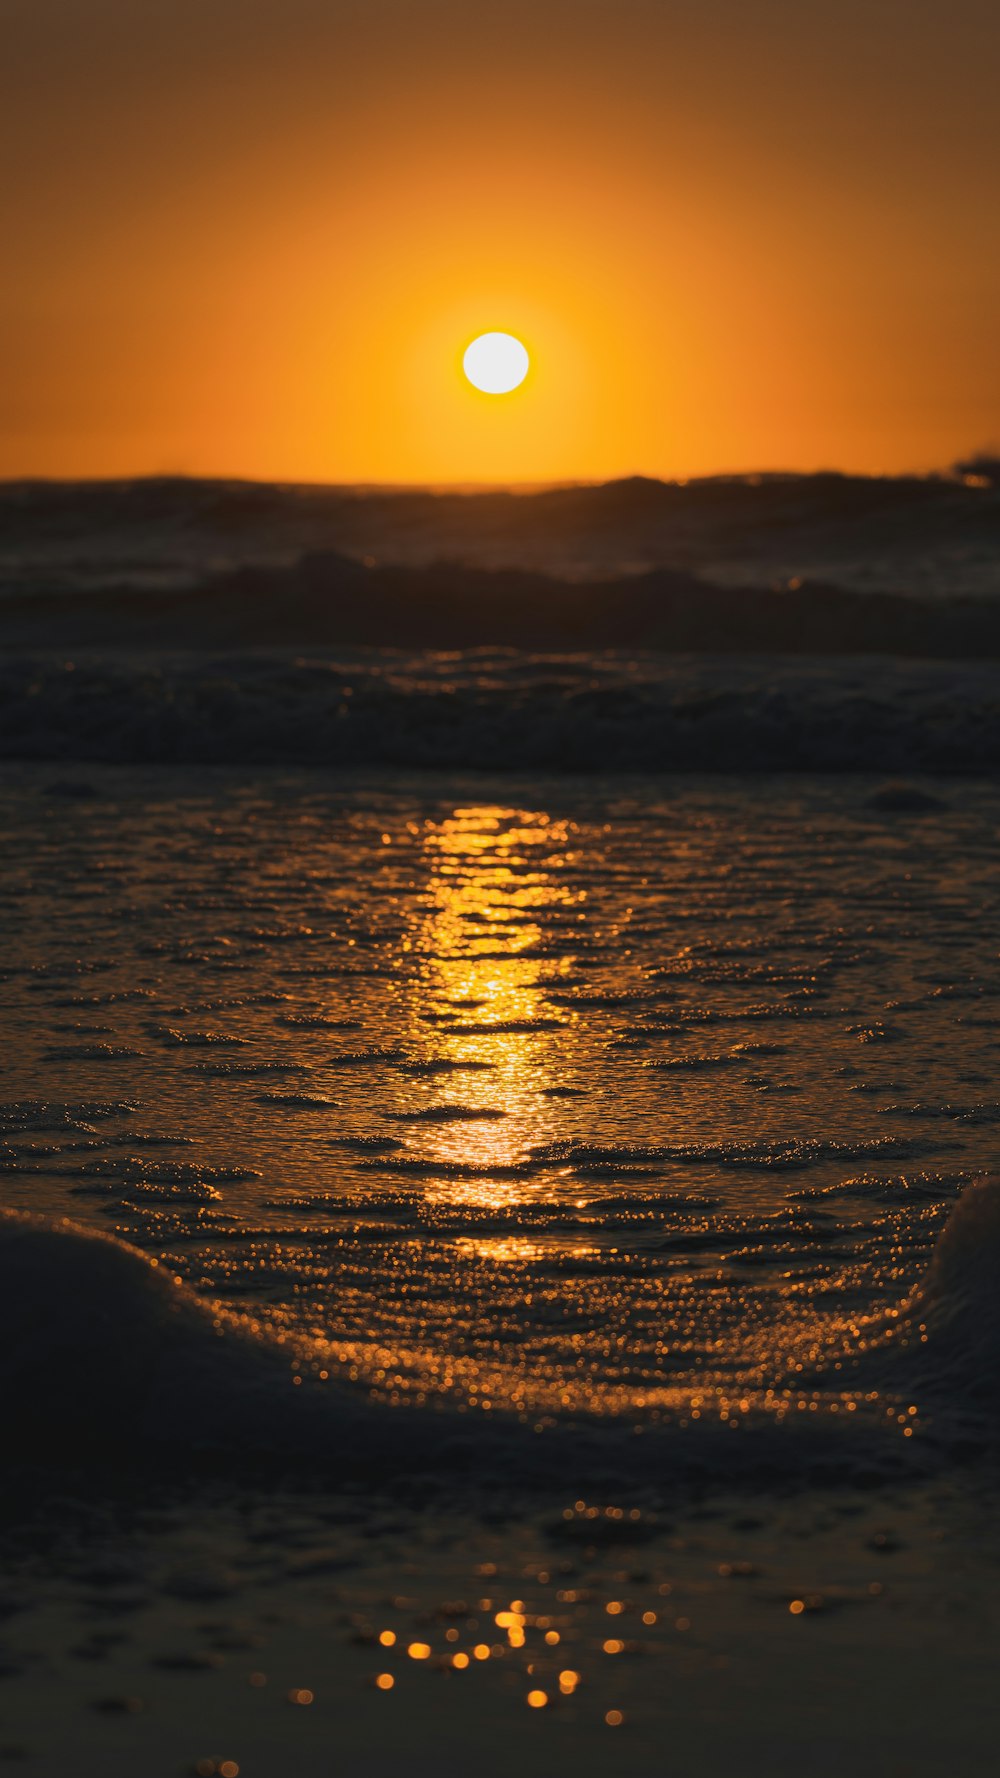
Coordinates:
962	471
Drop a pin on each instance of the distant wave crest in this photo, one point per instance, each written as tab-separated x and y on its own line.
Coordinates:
497	709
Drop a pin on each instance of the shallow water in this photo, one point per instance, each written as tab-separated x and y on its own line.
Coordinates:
573	1096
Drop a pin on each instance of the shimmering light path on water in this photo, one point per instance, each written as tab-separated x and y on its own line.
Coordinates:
566	1096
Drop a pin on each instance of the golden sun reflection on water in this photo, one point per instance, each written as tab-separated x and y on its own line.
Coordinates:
481	1003
566	1111
516	1249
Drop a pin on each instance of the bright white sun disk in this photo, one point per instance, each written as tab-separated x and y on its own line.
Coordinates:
495	363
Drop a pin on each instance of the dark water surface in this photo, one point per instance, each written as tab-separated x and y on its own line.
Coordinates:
643	1096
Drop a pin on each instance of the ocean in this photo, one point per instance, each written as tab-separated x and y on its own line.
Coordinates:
502	710
619	1100
498	1264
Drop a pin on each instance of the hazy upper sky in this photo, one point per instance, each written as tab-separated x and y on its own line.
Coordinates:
253	236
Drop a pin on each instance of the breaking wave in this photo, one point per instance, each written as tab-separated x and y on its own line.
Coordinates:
496	709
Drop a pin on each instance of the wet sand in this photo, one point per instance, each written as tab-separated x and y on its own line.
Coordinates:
742	1635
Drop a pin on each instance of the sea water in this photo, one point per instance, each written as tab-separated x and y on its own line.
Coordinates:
568	1098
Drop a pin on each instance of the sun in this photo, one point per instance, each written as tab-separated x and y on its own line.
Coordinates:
496	363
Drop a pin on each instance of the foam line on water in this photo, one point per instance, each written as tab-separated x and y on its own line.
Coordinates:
104	1352
598	713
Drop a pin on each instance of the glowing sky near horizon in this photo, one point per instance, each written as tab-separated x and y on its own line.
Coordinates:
255	236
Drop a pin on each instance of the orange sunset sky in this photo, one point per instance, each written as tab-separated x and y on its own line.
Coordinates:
253	237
